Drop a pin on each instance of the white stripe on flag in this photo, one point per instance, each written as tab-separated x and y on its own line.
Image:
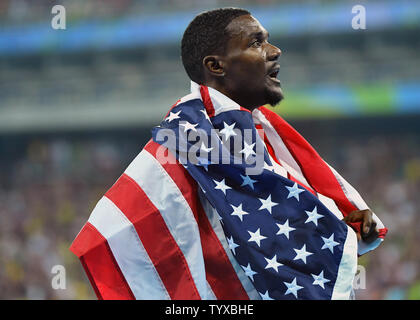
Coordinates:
351	193
213	217
278	168
331	205
221	103
347	268
175	211
356	199
281	151
128	251
210	295
191	96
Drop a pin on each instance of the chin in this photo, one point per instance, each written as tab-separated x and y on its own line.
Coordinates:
273	97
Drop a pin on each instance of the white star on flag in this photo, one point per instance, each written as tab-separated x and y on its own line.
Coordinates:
256	237
265	296
205	114
227	131
285	229
313	216
220	185
248	150
292	287
249	272
329	243
267	204
273	263
237	211
319	279
294	191
232	244
204	148
302	254
247	181
173	116
189	126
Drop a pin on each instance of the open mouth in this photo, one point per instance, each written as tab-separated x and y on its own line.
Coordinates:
274	73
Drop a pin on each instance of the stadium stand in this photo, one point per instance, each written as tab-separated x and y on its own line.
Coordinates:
71	121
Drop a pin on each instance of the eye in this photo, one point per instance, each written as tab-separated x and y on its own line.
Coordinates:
256	43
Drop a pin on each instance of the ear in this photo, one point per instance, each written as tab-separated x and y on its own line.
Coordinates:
214	66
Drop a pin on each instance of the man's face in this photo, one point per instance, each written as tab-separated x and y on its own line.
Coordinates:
250	64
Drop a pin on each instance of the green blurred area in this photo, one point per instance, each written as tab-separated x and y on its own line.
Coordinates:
355	100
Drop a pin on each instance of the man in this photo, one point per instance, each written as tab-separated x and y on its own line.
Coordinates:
180	226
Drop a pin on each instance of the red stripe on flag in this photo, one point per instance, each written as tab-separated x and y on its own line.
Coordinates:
316	171
382	233
244	109
204	91
219	271
100	266
156	238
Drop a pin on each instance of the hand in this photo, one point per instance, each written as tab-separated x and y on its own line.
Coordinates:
368	225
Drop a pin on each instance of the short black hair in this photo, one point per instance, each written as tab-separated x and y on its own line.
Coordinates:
205	35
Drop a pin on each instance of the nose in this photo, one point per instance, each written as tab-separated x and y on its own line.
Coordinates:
273	53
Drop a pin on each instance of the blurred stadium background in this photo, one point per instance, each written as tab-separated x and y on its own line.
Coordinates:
77	105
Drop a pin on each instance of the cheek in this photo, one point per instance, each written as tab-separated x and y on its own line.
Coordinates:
249	67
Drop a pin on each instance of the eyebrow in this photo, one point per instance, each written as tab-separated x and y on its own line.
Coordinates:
260	34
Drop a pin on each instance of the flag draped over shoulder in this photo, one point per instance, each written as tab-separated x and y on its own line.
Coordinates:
223	203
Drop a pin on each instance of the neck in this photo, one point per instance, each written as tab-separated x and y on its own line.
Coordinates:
239	99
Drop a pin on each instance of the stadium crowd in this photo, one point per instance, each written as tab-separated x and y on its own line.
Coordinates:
48	187
50	184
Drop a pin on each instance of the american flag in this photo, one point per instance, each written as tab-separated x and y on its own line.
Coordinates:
176	226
